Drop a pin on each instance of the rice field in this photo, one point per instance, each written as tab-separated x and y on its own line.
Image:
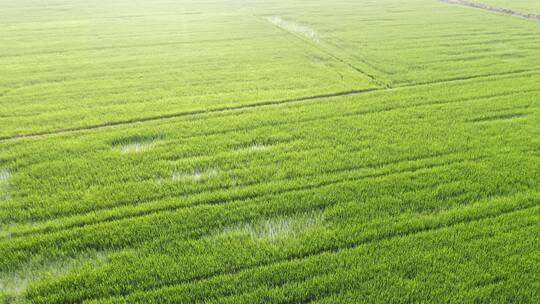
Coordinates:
270	151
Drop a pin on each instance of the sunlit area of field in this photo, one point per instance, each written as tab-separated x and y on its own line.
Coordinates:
269	151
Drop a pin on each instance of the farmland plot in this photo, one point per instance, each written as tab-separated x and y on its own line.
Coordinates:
422	41
268	152
124	68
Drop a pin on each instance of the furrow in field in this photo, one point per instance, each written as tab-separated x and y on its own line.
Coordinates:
484	43
463	78
494	9
191	113
249	106
460	37
492	118
302	183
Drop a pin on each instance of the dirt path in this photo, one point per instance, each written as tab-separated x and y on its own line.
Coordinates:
499	10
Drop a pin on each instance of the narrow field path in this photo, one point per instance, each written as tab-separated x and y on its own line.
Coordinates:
499	10
189	113
247	106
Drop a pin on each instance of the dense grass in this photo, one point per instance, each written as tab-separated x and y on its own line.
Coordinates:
384	40
189	152
150	63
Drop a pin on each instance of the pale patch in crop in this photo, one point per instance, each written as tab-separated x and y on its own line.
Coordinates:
257	147
5	177
278	228
134	144
135	147
13	284
195	175
294	27
253	147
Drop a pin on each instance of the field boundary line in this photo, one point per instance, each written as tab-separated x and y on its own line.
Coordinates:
464	78
188	113
494	9
251	106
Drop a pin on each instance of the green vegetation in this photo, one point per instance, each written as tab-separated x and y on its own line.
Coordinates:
525	6
268	152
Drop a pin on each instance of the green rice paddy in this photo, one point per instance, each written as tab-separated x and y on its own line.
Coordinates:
241	151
